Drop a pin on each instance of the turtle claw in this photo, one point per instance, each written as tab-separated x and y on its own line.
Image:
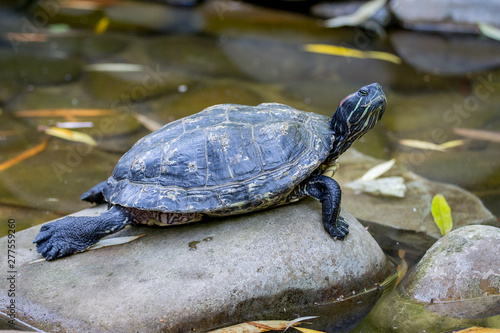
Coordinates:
338	230
58	239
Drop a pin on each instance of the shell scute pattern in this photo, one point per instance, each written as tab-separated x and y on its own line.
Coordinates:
227	158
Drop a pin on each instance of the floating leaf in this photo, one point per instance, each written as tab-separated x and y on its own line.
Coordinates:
24	155
102	25
114	241
360	16
75	124
489	31
74	136
478	134
442	214
147	122
452	144
114	67
298	320
351	53
378	170
63	113
421	144
402	267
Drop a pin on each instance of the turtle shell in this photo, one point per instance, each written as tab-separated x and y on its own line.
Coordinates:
225	159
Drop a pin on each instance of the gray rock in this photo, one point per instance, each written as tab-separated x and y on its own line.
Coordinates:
268	265
459	276
446	55
455	285
445	15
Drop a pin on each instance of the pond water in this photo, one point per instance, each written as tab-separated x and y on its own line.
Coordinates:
177	61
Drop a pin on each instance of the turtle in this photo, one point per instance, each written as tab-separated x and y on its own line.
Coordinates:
227	159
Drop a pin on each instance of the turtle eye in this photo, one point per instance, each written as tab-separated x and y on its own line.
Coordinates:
363	92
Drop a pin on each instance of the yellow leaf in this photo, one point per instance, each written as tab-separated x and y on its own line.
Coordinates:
442	214
307	330
489	31
24	155
63	113
452	144
70	135
421	144
102	25
351	53
402	268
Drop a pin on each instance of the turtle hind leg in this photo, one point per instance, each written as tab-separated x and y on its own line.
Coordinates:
95	194
328	192
76	233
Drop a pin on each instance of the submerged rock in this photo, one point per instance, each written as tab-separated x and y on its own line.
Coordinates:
455	285
446	55
445	15
268	265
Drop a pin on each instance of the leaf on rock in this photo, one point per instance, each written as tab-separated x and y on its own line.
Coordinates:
114	241
254	327
442	214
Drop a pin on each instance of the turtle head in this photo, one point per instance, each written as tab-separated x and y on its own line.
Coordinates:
356	115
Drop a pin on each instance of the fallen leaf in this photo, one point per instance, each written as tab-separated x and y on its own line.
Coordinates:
478	134
351	53
75	124
298	320
114	241
421	145
452	144
147	122
102	25
489	31
402	268
24	155
360	16
442	214
74	136
378	170
63	113
113	67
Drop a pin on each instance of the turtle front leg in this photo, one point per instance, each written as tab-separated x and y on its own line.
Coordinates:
328	192
76	233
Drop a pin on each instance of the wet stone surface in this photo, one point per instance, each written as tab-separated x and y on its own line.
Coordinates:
268	265
455	285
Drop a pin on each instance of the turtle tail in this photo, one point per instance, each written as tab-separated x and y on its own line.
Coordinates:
76	233
95	194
